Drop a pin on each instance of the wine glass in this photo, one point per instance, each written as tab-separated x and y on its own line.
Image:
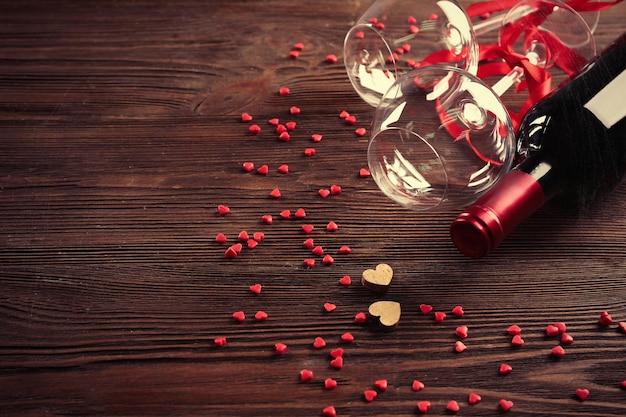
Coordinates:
393	35
441	137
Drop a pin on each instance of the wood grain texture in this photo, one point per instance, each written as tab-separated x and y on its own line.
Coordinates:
121	134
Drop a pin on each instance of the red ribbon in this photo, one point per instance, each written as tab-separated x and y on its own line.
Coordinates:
486	7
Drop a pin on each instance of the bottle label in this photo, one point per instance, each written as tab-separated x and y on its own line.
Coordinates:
609	104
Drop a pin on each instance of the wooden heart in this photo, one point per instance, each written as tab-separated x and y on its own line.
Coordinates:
386	313
378	279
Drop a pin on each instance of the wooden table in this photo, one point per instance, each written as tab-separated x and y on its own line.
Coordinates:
121	134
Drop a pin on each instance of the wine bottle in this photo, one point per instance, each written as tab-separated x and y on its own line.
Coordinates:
572	143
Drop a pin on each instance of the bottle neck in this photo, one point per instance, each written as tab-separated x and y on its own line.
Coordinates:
484	225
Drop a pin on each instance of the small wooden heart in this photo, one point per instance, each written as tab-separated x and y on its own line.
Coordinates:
386	313
378	279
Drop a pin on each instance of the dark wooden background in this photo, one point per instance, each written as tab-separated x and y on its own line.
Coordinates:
121	134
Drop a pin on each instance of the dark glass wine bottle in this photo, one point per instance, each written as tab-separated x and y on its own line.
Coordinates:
572	143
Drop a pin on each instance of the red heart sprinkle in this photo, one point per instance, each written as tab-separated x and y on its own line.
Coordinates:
461	332
285	214
294	54
370	395
332	226
351	120
263	170
237	247
623	384
223	210
280	348
331	58
347	337
323	192
458	311
423	406
343	114
298	46
514	330
280	128
360	317
561	326
330	383
309	152
473	398
360	131
254	129
274	121
337	363
335	353
219	341
252	243
309	263
307	228
283	169
517	340
329	411
318	250
381	384
558	351
319	343
582	393
306	375
328	260
566	339
505	405
417	385
243	236
285	137
505	369
605	319
345	249
275	193
220	238
335	189
345	280
411	20
316	137
433	16
258	236
621	326
231	253
552	330
260	316
413	29
291	125
300	214
359	35
239	316
329	307
245	117
453	406
294	110
459	346
440	316
309	243
267	219
247	166
256	288
364	173
284	91
426	308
